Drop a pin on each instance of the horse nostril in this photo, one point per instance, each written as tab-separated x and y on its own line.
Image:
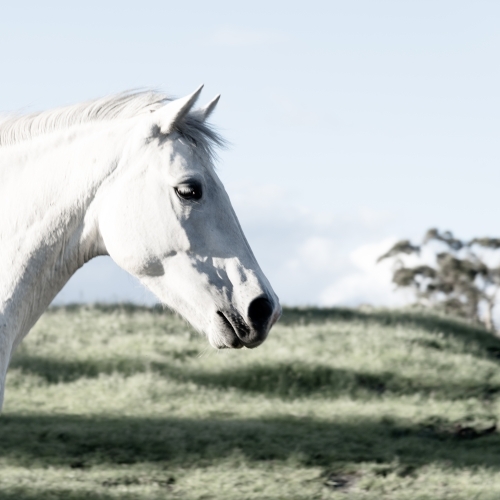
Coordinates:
259	312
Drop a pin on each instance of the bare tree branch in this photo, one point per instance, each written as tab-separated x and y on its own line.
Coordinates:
403	246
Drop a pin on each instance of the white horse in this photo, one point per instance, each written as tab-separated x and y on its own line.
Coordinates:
130	176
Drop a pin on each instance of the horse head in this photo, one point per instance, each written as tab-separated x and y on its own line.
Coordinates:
166	218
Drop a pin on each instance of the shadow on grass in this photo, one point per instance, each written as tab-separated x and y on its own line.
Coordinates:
121	307
55	371
298	380
284	380
23	494
79	442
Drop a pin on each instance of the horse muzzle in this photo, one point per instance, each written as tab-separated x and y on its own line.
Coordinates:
236	332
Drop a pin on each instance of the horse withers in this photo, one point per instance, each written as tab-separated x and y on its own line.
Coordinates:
130	176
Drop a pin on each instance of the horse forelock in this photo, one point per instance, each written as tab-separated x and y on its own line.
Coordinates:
20	128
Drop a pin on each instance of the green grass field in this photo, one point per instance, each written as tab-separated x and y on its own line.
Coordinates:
130	403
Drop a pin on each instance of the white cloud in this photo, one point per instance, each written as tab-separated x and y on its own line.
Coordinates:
365	257
369	282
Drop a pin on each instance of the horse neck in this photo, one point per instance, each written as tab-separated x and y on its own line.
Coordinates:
48	218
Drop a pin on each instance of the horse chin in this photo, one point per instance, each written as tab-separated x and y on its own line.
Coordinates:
224	336
225	343
234	343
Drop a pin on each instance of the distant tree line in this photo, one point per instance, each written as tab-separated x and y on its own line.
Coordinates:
460	282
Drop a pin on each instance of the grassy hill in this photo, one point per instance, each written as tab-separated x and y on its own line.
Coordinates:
124	402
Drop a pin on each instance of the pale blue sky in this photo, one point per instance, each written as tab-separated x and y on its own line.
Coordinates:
351	122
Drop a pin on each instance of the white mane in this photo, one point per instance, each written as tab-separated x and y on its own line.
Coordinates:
16	129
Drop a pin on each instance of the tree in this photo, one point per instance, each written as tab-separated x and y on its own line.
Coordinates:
461	282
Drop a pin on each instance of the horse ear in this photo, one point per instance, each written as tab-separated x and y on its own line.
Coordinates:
167	116
203	113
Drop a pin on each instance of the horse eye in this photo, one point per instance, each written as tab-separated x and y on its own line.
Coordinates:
189	192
